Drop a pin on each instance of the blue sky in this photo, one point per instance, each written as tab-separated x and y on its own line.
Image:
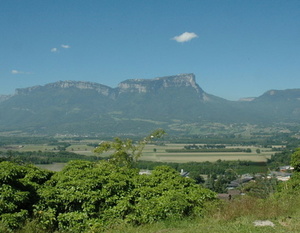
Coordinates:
235	48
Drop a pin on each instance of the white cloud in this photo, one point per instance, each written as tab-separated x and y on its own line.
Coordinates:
65	46
16	72
19	72
184	37
54	50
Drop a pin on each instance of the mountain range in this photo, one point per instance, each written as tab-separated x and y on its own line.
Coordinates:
176	103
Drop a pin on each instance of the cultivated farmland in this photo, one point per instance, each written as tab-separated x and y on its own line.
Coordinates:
158	153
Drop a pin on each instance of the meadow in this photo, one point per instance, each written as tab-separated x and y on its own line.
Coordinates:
158	153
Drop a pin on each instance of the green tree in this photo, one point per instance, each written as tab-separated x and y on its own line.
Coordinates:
18	189
261	188
196	175
220	184
210	183
92	195
126	152
293	185
295	160
248	150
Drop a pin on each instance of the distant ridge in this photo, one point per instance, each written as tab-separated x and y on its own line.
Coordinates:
176	103
246	99
130	85
105	90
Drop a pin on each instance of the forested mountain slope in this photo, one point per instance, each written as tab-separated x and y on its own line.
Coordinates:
136	106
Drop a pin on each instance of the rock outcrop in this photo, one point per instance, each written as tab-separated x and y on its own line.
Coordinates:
127	86
102	89
150	85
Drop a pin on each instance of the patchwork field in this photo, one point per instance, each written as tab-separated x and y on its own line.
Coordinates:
159	153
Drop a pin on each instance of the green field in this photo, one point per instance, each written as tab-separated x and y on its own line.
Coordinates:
162	156
158	153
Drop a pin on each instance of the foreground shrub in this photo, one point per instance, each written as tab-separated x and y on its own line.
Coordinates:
87	195
18	189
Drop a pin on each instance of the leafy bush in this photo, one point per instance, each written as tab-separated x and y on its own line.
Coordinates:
90	196
295	160
85	195
18	188
14	220
292	185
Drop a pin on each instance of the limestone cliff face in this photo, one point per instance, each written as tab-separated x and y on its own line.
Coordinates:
102	89
129	86
27	90
4	97
153	85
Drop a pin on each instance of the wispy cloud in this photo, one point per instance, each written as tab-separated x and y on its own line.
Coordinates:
54	50
184	37
20	72
65	46
15	72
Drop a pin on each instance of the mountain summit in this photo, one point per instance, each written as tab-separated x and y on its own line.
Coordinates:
152	85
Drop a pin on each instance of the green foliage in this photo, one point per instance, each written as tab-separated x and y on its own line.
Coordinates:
261	187
196	175
19	140
126	152
86	194
18	188
14	220
46	157
218	183
293	184
99	196
219	167
295	160
72	221
280	159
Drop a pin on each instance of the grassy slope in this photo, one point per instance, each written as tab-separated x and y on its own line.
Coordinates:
233	216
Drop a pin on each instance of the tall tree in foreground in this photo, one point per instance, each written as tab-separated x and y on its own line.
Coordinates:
126	152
